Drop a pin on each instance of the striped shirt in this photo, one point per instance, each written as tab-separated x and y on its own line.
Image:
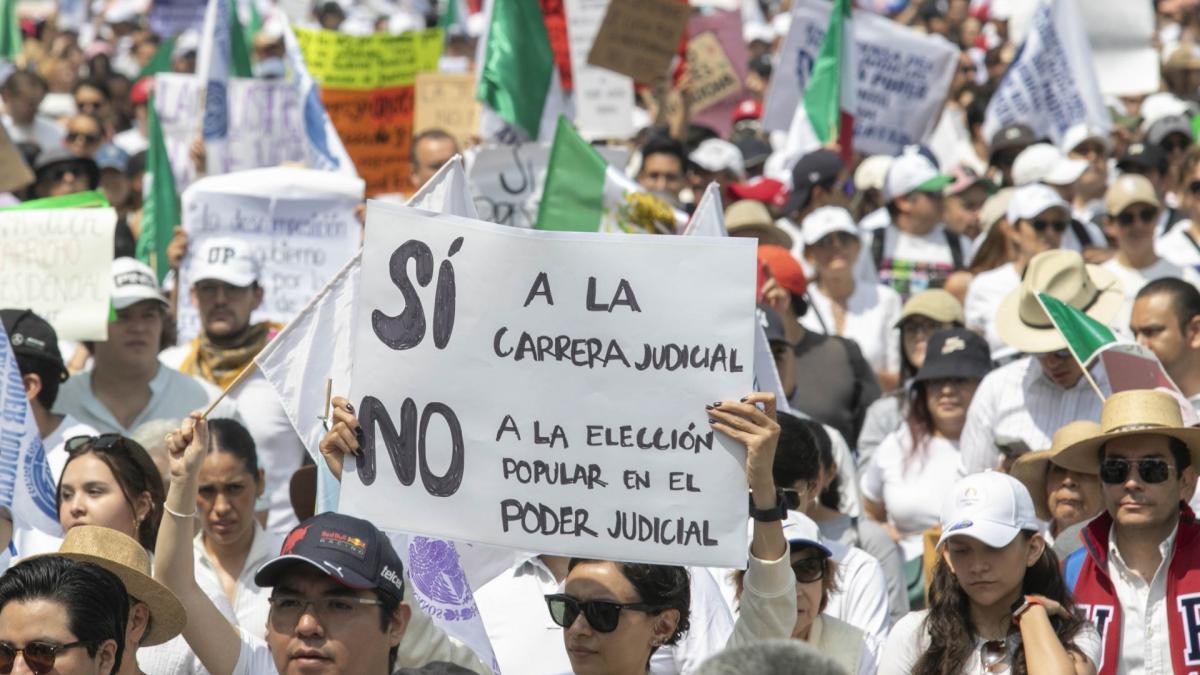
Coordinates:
1018	401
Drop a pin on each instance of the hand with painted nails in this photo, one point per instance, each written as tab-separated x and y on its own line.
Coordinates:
342	438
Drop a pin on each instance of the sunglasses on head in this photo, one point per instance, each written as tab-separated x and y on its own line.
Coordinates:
1040	225
1146	215
809	570
1152	470
39	656
601	615
78	444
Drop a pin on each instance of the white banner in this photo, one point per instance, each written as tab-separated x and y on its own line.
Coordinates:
300	223
1051	85
903	77
266	125
507	180
27	486
1122	38
603	99
545	391
58	263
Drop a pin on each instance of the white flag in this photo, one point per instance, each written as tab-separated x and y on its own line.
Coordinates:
323	146
26	484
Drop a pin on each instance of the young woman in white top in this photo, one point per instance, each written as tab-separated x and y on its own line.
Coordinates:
921	457
998	602
839	305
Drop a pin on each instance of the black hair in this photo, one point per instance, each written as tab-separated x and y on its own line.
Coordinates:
1185	299
952	635
434	134
20	78
135	474
48	371
99	85
1177	448
662	586
387	608
136	165
124	243
95	600
230	437
664	145
797	454
698	133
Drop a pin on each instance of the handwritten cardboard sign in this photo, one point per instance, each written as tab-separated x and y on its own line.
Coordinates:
58	263
545	391
710	76
603	99
639	38
447	102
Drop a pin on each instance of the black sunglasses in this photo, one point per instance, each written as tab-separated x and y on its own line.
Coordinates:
809	570
1146	215
1040	225
39	656
1153	470
78	444
86	138
601	615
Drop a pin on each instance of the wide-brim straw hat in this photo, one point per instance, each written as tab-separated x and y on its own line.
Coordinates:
1021	321
124	556
1032	467
1132	413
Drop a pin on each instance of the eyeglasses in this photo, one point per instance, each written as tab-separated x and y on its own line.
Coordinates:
1146	215
39	656
600	614
73	136
58	173
809	570
993	656
1040	225
78	444
286	609
1153	470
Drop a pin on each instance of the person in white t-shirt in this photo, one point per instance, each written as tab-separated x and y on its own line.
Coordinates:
1046	164
916	251
1039	217
840	305
1132	209
23	92
993	562
1181	245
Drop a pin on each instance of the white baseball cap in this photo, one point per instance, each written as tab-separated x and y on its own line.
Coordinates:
824	221
872	172
800	530
1028	201
1078	133
133	282
1044	163
716	155
991	507
226	259
913	172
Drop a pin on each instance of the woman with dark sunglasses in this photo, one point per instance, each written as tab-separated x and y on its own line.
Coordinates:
998	603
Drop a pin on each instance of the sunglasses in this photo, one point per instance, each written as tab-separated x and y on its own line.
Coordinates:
993	656
1040	225
1152	470
1060	354
601	615
103	442
809	570
1175	145
1146	215
39	656
73	136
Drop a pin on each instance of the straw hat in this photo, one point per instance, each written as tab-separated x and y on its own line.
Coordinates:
1130	413
748	218
124	557
1032	467
1062	274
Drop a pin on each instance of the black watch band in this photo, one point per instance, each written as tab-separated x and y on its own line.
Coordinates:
771	515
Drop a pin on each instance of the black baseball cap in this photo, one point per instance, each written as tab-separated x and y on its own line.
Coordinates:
351	550
955	353
811	169
1012	136
1143	157
31	335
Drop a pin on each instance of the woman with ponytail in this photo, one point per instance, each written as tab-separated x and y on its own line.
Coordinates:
998	602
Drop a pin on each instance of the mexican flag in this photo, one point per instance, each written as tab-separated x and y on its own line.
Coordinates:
831	98
1085	336
518	81
584	194
10	30
160	204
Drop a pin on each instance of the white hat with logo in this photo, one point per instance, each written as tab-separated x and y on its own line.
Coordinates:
991	507
226	259
133	282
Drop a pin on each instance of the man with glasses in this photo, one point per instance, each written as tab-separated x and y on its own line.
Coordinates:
85	135
1132	214
1019	406
1136	577
59	171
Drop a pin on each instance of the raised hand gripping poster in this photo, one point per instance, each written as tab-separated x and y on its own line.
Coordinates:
546	391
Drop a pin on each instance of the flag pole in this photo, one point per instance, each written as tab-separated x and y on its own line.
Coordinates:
250	367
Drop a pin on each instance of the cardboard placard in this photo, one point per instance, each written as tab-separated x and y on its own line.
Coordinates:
14	172
639	38
447	102
710	77
603	99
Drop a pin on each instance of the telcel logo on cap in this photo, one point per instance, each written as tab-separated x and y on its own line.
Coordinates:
390	574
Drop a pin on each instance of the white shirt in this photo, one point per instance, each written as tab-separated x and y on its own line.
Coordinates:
254	656
984	295
249	607
910	639
46	134
131	140
871	313
862	596
903	481
1179	247
1145	638
1134	279
914	263
1018	401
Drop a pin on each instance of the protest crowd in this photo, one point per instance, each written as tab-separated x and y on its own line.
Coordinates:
919	277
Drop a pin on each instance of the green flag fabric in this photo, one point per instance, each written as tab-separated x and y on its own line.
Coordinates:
255	24
160	208
79	200
10	30
518	64
573	198
823	96
1084	335
161	63
239	53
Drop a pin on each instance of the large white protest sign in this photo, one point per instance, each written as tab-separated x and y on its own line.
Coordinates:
507	180
903	77
1051	85
1121	35
545	391
266	125
58	263
603	99
300	223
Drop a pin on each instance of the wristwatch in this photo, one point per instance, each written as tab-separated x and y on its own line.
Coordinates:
1023	604
771	515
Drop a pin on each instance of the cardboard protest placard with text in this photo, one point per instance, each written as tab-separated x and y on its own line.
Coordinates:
447	102
639	38
58	263
603	99
545	391
717	65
